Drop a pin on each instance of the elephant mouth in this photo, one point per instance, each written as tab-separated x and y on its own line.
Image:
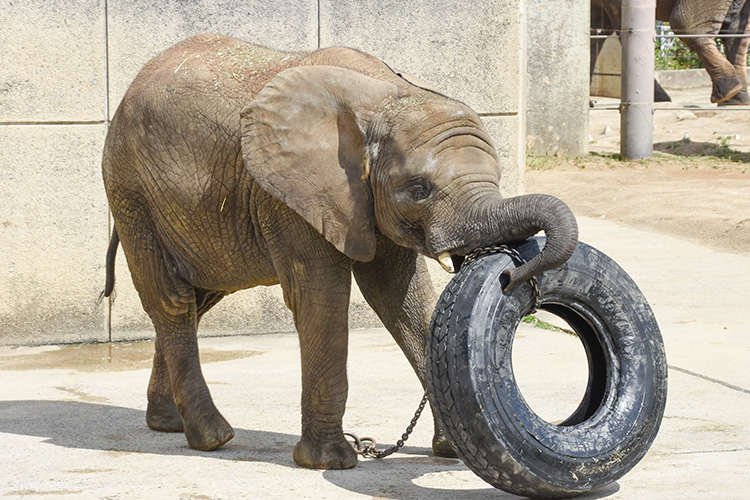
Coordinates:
451	262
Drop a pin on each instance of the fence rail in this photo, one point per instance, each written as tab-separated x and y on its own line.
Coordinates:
596	34
720	35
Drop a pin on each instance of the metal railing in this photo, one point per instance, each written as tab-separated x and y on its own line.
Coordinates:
596	34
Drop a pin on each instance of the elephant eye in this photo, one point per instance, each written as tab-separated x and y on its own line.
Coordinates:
420	190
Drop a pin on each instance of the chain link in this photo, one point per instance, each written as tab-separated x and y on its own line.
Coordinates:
371	451
513	253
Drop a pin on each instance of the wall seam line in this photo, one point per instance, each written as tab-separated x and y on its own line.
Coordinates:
108	309
318	24
498	114
42	123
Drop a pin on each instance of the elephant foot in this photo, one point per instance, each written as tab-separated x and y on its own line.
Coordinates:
164	417
741	98
338	454
441	447
208	432
725	88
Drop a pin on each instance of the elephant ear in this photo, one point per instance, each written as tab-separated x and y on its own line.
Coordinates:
303	142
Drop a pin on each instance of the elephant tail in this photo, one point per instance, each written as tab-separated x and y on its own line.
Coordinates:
111	254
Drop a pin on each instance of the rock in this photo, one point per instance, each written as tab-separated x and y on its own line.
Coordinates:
607	130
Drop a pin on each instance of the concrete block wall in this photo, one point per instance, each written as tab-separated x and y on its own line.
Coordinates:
64	67
557	87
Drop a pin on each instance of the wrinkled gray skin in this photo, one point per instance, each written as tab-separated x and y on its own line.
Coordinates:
229	166
728	74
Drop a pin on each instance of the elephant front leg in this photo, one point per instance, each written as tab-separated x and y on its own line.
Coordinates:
397	285
324	393
316	280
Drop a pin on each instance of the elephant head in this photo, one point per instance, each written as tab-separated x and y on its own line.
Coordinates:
352	154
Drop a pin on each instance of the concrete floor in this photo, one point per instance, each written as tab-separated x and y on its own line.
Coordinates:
72	419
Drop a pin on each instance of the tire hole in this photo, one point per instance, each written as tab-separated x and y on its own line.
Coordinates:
550	366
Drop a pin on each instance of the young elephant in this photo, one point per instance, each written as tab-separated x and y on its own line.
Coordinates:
229	166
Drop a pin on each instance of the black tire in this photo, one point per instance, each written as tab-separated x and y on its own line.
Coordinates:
475	397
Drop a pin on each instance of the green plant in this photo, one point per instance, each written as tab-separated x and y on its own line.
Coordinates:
548	162
538	323
671	53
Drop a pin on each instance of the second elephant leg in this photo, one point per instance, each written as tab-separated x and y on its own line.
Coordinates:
205	428
724	79
736	49
397	285
703	18
161	412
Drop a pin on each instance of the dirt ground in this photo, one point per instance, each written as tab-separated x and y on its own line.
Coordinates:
695	187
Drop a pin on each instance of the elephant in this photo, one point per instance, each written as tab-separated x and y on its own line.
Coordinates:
228	166
711	17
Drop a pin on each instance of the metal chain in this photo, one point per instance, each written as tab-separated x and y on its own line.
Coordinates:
513	255
370	450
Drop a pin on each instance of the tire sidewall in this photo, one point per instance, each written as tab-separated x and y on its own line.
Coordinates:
532	455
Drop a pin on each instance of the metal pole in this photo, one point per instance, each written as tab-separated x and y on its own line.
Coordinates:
637	86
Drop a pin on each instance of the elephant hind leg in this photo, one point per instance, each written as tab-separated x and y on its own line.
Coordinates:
204	427
724	80
178	397
736	50
161	413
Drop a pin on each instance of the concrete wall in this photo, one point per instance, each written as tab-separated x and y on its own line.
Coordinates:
557	98
64	67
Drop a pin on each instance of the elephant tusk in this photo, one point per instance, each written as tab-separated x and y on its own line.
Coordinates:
446	261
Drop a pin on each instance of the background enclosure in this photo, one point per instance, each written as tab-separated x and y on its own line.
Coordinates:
64	66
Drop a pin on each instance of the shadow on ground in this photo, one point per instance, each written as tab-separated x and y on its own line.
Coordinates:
426	476
73	424
118	430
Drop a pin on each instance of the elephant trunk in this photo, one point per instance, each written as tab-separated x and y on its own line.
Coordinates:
518	218
546	213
